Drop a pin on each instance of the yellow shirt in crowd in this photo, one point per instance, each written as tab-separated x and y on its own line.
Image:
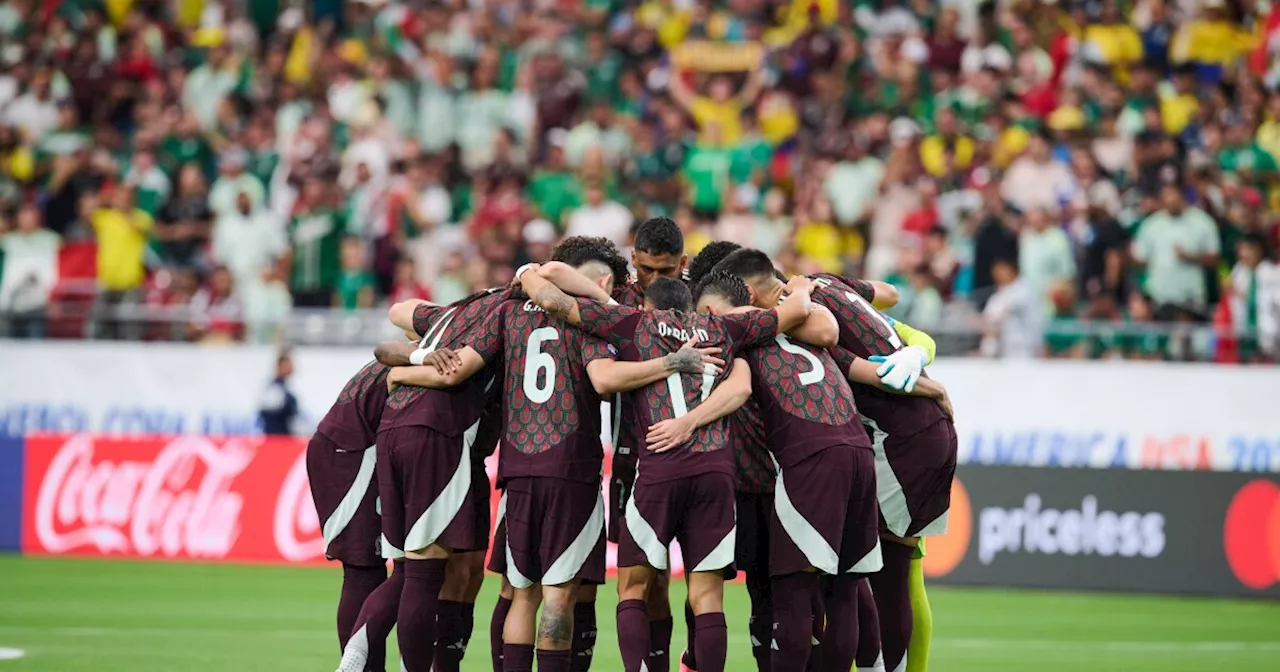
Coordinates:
1177	110
726	115
122	242
826	244
1213	42
933	154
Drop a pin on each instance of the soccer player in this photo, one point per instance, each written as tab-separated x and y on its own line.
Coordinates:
658	252
685	494
550	462
340	467
425	476
914	437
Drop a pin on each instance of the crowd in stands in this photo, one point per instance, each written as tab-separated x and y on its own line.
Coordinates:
1063	177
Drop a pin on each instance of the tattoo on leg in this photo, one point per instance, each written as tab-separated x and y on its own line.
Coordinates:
557	625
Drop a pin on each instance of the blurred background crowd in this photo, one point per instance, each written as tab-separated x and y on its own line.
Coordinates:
1062	178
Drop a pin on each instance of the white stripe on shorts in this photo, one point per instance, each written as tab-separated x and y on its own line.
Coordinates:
722	555
893	501
570	562
643	533
341	516
810	542
870	563
445	508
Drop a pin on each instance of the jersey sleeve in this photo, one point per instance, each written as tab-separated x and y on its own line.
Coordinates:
614	323
484	335
747	330
425	316
844	358
594	347
864	289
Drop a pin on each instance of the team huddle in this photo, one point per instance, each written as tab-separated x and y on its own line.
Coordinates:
778	427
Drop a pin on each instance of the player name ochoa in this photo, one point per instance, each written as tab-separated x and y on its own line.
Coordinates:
667	331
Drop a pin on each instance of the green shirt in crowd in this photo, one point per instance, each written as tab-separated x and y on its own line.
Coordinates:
316	238
707	170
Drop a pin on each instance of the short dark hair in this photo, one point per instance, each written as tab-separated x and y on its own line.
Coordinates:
659	235
747	264
707	259
578	250
669	294
729	287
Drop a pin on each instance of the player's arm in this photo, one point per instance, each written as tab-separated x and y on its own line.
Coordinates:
798	305
914	338
885	295
609	376
728	397
394	353
434	369
573	283
864	372
547	296
819	328
401	313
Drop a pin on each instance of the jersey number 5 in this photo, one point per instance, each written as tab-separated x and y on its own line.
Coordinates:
814	375
538	364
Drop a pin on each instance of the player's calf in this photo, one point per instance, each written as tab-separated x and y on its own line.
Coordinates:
555	629
840	635
357	584
584	629
890	587
869	657
633	617
711	634
792	621
367	647
424	576
498	622
463	577
661	624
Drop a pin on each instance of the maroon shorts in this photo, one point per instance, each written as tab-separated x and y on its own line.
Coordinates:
913	476
498	558
755	513
427	491
342	487
697	511
554	532
620	483
824	515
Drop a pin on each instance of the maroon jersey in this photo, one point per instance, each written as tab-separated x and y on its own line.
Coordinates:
449	411
642	335
863	330
805	401
898	415
352	422
624	426
756	474
551	410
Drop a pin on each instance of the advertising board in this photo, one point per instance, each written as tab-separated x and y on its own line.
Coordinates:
1153	531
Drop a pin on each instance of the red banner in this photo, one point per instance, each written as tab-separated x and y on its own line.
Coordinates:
243	499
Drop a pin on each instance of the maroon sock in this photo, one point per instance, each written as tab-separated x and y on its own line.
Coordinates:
453	629
889	588
713	641
840	637
633	634
376	619
554	661
690	655
496	624
660	644
419	607
868	628
357	584
584	636
820	620
792	621
517	658
760	625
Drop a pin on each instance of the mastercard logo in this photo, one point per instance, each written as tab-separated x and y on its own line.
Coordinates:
942	554
1251	534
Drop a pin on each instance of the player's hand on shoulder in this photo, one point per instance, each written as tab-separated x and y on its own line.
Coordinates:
394	378
694	360
669	434
799	283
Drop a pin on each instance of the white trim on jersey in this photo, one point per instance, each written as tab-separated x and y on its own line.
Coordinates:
446	506
341	516
570	562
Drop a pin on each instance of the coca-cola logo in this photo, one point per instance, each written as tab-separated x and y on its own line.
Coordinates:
296	528
179	503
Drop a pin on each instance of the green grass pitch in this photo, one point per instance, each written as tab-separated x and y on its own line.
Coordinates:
70	615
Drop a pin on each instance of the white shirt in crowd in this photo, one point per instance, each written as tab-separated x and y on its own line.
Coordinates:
30	270
1016	316
33	116
247	243
609	219
1030	184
